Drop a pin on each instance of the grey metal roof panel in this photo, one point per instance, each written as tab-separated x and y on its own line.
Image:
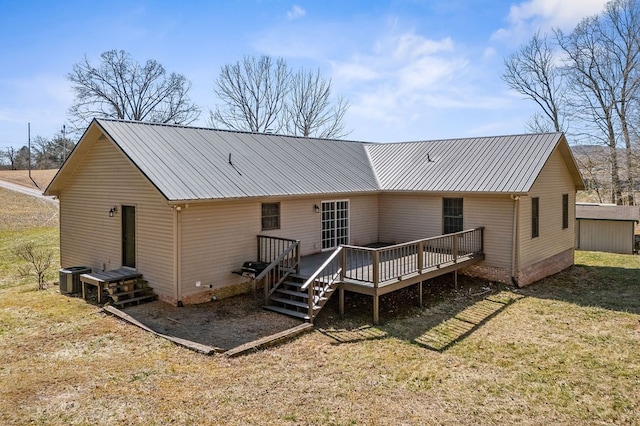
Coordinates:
607	212
187	163
508	164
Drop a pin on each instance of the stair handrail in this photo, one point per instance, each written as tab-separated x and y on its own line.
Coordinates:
326	263
276	261
271	285
323	270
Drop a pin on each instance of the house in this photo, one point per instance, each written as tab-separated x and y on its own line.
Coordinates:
606	227
184	205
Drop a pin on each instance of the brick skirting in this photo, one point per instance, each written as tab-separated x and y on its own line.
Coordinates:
545	268
526	276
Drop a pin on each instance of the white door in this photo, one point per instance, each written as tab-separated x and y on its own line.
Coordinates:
335	223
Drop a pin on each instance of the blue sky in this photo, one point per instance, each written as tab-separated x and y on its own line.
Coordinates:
411	70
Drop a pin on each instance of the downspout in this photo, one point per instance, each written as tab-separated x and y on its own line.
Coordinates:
514	239
177	252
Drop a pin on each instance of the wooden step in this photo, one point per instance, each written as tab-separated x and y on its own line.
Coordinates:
132	292
289	312
295	284
138	300
299	285
295	303
290	302
297	277
293	293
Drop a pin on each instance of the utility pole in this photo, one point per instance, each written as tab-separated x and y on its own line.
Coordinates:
29	137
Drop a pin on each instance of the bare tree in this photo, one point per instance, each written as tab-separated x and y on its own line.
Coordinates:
121	88
593	162
37	262
532	72
309	111
591	81
253	93
621	38
10	154
263	95
42	157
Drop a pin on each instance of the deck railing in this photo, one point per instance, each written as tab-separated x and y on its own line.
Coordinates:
283	257
377	265
323	279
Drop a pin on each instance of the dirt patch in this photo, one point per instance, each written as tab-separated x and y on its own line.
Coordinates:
225	323
228	323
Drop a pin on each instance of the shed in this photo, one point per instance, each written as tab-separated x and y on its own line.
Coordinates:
606	227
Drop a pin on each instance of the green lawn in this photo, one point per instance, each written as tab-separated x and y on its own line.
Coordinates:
563	351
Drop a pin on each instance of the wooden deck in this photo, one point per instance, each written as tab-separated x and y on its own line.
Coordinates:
355	271
376	271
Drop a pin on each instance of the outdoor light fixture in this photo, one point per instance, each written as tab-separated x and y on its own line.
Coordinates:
316	208
113	211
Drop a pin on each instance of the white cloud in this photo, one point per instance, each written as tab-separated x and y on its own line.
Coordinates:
489	53
529	16
296	12
406	77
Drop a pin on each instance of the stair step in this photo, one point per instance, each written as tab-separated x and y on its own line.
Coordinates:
295	303
292	293
298	277
296	284
289	312
138	300
131	292
290	302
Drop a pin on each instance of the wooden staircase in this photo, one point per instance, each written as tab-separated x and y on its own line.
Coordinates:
125	292
291	299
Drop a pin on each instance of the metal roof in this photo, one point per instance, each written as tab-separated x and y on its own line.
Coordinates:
190	163
502	164
607	212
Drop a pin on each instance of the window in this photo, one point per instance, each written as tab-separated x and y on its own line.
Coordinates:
452	215
565	211
535	217
270	216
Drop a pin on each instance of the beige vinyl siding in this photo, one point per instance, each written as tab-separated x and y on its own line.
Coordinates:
605	235
217	237
495	213
408	217
553	181
89	237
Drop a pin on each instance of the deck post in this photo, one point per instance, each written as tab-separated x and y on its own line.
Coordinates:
455	279
259	259
376	269
310	294
376	309
420	294
420	256
341	301
454	248
297	256
265	287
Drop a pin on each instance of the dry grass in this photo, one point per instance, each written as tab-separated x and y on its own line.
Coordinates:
25	219
21	177
564	351
20	211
